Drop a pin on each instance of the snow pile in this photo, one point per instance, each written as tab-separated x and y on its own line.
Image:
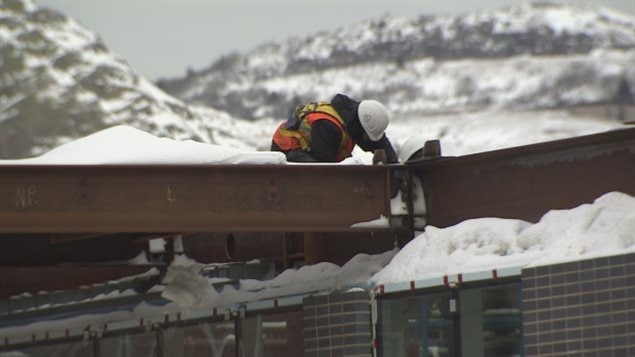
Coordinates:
186	287
605	227
127	145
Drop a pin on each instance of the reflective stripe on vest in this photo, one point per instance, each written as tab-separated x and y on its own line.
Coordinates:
288	140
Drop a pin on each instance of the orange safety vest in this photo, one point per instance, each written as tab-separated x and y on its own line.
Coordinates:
289	139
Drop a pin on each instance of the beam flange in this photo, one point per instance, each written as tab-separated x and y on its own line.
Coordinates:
527	181
190	198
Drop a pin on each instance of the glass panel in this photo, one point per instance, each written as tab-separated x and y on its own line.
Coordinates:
274	335
438	336
138	345
77	349
502	322
401	330
417	326
491	321
204	339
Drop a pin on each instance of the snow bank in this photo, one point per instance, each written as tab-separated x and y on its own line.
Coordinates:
188	290
186	287
605	227
127	145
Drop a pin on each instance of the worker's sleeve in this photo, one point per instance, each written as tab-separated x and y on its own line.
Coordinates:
325	141
383	143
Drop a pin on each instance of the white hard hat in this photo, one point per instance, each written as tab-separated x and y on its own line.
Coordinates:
374	118
410	147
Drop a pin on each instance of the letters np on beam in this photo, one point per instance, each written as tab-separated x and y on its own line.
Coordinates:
190	198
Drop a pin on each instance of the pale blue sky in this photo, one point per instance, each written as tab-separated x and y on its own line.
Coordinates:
163	38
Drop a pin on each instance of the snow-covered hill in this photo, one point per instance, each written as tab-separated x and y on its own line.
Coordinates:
59	82
527	55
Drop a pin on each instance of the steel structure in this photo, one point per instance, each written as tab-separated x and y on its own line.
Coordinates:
176	198
525	182
310	212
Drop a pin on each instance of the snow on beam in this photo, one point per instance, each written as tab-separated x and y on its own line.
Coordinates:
190	198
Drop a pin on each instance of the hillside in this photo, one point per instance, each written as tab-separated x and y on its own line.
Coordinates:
59	82
527	56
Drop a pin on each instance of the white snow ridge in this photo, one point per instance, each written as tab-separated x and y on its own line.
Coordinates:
602	228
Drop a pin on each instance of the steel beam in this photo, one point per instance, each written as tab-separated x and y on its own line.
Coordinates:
525	182
29	279
191	198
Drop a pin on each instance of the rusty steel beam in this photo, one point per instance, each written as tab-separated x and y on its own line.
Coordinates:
189	198
526	182
35	249
27	279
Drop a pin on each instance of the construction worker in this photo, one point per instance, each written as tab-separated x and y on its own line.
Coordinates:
328	132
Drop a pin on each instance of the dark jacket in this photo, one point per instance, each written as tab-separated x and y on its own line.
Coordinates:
326	136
